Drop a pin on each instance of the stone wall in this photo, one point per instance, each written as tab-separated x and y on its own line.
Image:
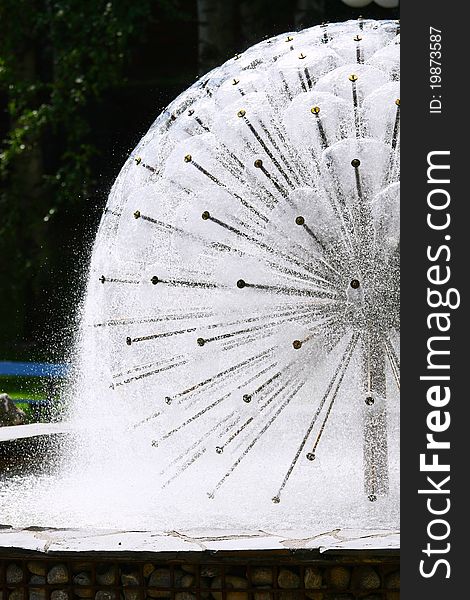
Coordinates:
256	576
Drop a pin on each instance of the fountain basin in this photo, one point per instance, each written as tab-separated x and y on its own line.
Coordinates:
53	540
208	562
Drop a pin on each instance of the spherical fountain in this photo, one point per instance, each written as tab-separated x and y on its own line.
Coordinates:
238	361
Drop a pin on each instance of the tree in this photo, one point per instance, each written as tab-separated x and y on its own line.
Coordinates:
56	57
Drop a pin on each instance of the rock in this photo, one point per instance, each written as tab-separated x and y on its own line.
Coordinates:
84	592
262	593
365	578
106	595
82	578
58	574
315	595
36	568
178	575
159	578
210	571
261	576
287	579
205	584
59	595
37	594
130	594
338	577
231	595
106	574
148	569
37	579
130	579
162	578
14	573
9	413
183	579
392	580
17	594
232	582
189	568
185	596
313	578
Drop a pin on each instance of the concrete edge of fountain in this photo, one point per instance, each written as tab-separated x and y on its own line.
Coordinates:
64	541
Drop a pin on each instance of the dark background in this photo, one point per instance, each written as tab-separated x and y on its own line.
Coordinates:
81	81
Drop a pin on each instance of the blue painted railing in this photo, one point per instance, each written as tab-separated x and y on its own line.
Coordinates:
27	369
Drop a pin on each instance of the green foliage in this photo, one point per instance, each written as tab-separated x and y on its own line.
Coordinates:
55	57
38	389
